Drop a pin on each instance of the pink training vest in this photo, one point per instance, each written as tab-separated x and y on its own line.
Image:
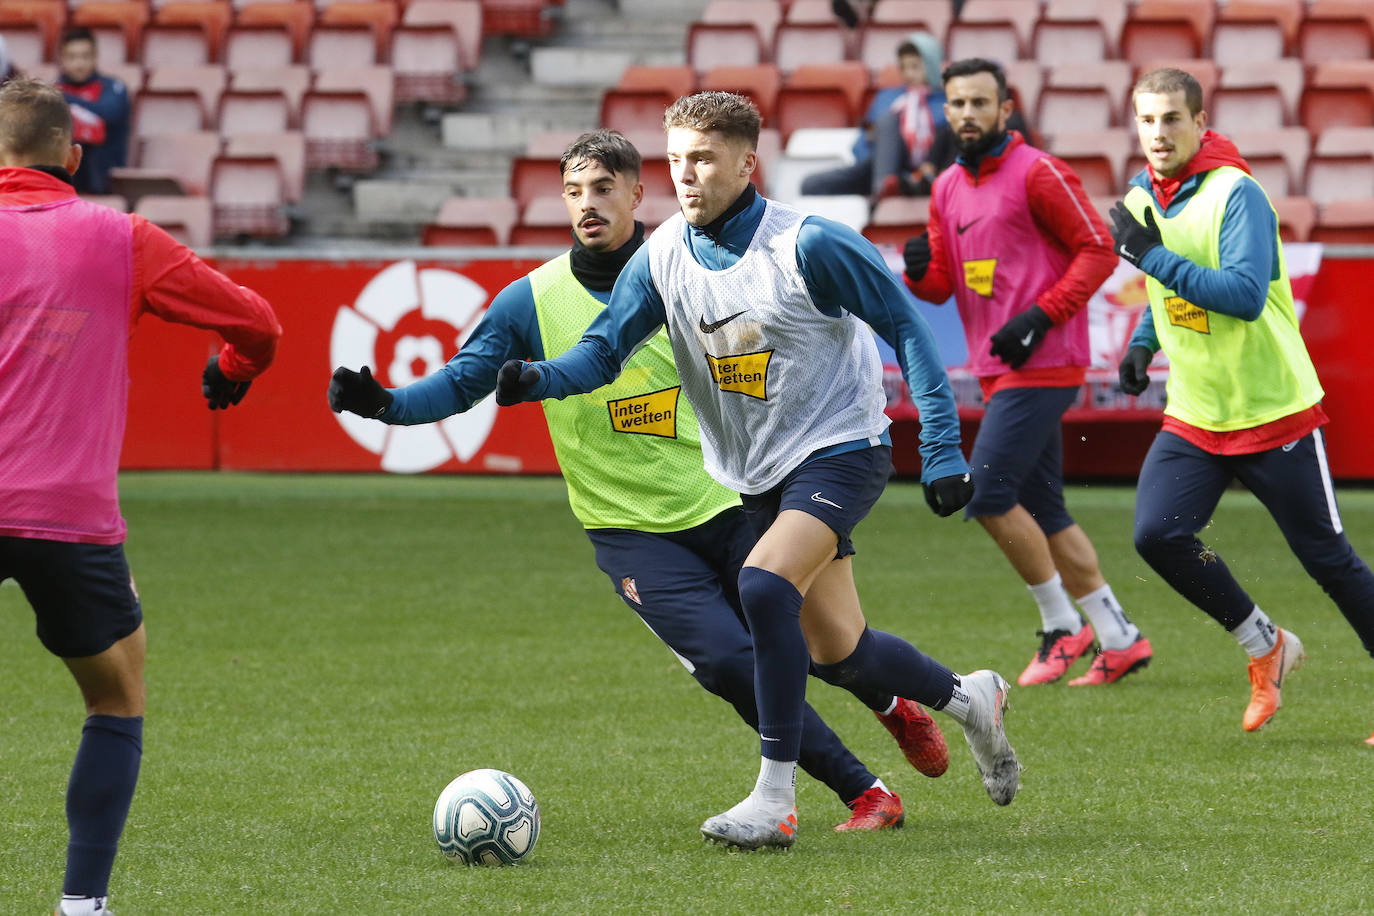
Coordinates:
999	262
65	280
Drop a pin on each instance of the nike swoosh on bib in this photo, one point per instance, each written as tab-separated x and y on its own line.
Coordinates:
717	325
965	226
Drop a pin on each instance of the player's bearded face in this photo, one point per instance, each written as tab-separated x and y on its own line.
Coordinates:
977	118
709	172
601	204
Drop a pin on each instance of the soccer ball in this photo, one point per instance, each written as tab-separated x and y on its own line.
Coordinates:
486	817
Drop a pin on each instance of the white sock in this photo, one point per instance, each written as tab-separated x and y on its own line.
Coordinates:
958	705
777	783
73	905
1109	621
1056	611
1256	634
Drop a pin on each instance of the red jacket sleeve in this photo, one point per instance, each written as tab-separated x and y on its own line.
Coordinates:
935	286
175	285
1060	207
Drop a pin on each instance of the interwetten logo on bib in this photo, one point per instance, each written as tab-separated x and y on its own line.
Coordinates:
746	373
652	414
978	275
1184	314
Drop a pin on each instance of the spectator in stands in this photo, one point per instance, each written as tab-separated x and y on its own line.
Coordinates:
1244	401
1015	240
892	152
100	111
76	277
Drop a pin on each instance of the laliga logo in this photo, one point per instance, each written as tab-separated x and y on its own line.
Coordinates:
404	325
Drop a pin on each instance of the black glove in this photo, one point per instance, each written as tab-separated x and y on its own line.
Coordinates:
917	256
947	495
1132	370
219	391
358	392
1015	340
1134	241
514	381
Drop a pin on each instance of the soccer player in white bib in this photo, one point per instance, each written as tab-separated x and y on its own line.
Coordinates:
765	309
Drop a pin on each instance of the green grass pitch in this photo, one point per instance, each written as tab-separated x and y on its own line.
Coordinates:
326	653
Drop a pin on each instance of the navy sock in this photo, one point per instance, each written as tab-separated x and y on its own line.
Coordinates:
98	797
885	664
772	606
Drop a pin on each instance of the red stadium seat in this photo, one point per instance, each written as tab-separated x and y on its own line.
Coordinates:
1098	158
113	201
189	220
1167	29
1345	222
186	157
933	16
896	219
998	41
1283	76
1343	73
848	76
341	47
543	221
1025	79
1297	216
1286	14
711	45
463	16
797	44
817	106
1109	18
1322	107
809	12
1064	109
675	79
1021	15
257	111
207	81
259	47
1270	152
291	81
24	43
248	197
339	131
760	83
1071	41
656	209
45	17
287	147
1254	107
175	46
377	83
763	15
472	222
1336	30
212	17
296	16
1339	177
1112	76
380	16
1345	141
516	18
634	109
172	112
534	176
428	65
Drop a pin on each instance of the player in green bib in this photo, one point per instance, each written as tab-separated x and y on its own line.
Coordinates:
1244	402
670	538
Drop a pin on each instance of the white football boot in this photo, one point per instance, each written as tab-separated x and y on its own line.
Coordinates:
987	737
753	825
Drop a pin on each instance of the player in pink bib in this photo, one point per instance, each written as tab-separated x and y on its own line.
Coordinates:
1014	239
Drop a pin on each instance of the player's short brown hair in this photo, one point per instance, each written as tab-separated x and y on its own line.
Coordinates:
1168	80
35	122
732	115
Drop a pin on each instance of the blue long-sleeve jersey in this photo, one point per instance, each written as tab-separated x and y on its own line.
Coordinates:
509	330
842	271
1249	257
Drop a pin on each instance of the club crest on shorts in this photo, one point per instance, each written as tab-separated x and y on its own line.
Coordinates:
627	588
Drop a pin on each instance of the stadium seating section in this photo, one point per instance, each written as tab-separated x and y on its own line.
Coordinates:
236	100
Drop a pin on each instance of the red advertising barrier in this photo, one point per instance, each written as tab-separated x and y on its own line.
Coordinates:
404	318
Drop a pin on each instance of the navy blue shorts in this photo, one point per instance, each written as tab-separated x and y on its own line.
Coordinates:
685	586
82	594
1018	456
838	489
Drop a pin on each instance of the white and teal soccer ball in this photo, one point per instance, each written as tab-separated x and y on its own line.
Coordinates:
486	817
